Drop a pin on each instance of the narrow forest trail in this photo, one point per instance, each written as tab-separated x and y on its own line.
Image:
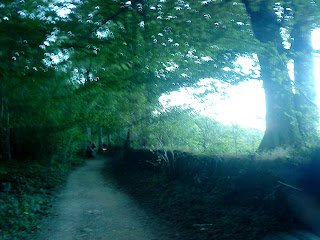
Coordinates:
91	208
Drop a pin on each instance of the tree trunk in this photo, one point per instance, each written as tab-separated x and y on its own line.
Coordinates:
204	145
305	86
88	133
281	121
109	140
88	140
127	142
100	147
5	130
2	122
8	141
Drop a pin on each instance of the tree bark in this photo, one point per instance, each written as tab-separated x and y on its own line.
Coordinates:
8	141
109	140
127	142
2	123
68	147
88	140
304	78
5	130
281	121
100	147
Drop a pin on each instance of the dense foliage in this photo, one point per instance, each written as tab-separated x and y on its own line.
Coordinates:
26	194
68	66
183	130
212	197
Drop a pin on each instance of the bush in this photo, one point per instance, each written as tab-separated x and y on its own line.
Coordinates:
211	197
26	194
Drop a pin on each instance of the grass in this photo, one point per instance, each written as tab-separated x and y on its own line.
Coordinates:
26	194
235	198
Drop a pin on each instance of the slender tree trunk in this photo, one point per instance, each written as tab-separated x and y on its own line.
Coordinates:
281	121
67	149
204	145
100	147
305	86
109	140
127	142
2	121
5	131
172	165
88	140
89	133
8	141
235	138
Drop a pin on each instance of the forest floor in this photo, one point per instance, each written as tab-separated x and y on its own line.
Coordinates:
90	207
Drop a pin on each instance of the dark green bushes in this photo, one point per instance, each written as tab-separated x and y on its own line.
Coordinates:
25	194
209	197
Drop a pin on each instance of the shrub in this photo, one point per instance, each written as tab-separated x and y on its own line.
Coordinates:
232	197
26	194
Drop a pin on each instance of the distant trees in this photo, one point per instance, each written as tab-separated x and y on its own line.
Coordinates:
176	129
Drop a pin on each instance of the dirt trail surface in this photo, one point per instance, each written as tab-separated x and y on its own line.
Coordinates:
90	207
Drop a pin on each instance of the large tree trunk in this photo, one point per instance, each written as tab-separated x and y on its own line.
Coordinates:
305	97
281	127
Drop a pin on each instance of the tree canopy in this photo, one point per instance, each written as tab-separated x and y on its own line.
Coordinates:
69	65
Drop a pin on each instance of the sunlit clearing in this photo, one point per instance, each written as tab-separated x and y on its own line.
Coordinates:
244	104
317	76
316	39
316	46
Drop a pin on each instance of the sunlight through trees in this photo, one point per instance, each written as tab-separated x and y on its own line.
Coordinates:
70	65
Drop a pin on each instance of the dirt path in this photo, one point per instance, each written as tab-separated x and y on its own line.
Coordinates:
89	207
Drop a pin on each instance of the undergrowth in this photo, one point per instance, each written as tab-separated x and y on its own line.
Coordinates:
26	194
235	198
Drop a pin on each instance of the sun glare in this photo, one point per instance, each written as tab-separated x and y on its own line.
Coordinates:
316	46
245	105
